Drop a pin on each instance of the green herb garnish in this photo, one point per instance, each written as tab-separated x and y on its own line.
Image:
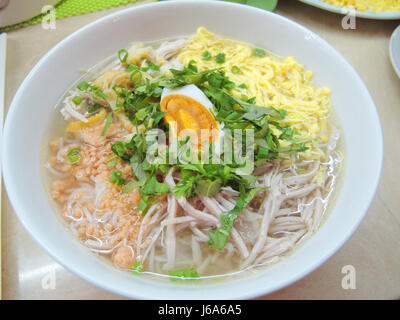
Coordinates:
112	161
107	124
77	100
137	268
206	55
83	85
220	58
235	70
219	237
153	187
94	108
208	188
152	66
183	274
122	55
116	178
259	52
132	186
73	155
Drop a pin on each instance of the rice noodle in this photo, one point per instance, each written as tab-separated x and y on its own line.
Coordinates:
54	172
187	207
171	245
270	204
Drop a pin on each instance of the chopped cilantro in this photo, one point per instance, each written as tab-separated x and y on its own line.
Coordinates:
116	178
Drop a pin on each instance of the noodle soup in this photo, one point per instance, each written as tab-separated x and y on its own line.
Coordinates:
194	219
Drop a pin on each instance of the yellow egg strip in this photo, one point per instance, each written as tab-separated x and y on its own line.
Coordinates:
368	5
282	83
77	125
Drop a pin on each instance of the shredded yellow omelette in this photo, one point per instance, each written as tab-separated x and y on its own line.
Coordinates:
282	83
368	5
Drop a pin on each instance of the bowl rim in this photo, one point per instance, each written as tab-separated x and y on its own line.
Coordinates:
393	57
13	197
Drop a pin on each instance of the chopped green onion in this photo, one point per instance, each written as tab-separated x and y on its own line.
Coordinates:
220	58
152	66
183	274
242	86
108	122
124	56
99	93
73	155
206	55
235	70
83	85
131	67
137	268
259	52
77	100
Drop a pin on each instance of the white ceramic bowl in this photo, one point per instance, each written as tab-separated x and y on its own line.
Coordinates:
59	68
384	15
394	50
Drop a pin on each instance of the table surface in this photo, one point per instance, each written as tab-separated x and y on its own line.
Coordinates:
373	250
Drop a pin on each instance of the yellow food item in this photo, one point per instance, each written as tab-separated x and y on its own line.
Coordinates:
111	78
191	111
120	78
77	125
188	114
276	82
136	54
368	5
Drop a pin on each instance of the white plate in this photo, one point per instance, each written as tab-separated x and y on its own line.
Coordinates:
394	50
21	10
386	15
56	71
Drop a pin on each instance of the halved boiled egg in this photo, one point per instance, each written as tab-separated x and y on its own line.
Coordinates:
190	109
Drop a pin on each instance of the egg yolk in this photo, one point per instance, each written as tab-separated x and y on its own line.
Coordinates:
188	113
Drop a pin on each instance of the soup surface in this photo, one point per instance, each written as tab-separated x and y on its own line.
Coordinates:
197	157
